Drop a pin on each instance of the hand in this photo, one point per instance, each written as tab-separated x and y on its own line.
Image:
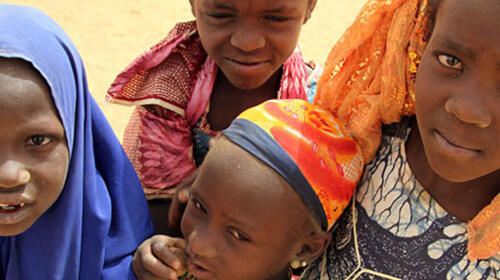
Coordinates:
179	201
160	257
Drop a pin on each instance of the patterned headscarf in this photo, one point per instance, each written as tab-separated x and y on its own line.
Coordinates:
308	147
369	80
369	76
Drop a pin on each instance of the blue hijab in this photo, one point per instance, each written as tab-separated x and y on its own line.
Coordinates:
101	215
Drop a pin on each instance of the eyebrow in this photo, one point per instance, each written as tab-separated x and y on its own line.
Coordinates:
282	9
222	6
451	44
248	229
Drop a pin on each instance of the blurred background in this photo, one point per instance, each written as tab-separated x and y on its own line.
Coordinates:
111	33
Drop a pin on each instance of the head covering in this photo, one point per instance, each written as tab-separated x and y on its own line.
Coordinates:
101	216
369	75
308	147
369	80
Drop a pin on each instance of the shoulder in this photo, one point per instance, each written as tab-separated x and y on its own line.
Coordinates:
314	71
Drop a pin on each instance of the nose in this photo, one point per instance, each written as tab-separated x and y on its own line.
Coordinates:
469	109
13	174
247	38
202	243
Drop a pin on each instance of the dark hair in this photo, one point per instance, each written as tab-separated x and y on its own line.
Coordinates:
430	14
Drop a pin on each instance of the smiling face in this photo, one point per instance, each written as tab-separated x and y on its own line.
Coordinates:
458	91
251	39
33	150
243	221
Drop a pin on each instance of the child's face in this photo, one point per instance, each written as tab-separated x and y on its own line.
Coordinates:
458	91
250	39
243	221
33	150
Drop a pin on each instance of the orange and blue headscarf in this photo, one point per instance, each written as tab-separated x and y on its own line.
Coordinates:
308	147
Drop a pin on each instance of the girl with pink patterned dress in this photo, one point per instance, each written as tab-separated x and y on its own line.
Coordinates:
192	84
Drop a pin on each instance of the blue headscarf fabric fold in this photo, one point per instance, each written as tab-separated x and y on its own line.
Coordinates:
101	215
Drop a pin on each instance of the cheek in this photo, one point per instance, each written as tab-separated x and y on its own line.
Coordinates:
285	42
188	220
54	172
427	91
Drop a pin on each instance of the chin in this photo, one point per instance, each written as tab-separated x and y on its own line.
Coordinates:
6	230
454	173
247	84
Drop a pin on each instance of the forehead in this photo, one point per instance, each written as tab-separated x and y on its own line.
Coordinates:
22	88
256	5
471	18
241	187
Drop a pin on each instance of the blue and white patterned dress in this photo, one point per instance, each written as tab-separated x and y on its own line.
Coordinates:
396	230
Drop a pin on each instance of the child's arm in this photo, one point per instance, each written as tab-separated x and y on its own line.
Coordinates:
160	256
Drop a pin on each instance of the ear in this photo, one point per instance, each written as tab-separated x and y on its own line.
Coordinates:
191	2
313	246
311	4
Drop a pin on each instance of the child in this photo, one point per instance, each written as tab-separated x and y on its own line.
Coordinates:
235	55
428	204
71	206
264	199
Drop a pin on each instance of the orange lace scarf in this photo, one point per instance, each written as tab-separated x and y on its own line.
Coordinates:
369	80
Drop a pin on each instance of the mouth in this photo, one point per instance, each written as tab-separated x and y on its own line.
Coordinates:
12	213
246	66
8	208
199	270
455	148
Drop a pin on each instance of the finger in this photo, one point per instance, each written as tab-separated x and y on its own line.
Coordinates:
163	253
176	242
183	195
178	203
156	268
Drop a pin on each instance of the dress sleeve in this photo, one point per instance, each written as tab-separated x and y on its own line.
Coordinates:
159	144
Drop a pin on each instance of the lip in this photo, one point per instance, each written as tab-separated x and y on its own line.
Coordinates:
199	270
13	216
246	67
453	148
7	198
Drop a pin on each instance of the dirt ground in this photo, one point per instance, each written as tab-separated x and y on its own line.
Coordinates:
111	33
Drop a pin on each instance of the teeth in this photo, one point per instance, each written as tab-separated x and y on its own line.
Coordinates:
10	207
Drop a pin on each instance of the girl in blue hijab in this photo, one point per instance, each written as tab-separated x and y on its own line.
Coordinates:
71	206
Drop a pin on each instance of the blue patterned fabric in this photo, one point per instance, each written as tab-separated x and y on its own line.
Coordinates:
393	229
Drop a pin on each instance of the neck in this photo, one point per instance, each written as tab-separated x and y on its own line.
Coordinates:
463	200
228	101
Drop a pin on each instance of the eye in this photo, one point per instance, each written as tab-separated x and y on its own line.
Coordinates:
199	206
450	61
238	234
276	18
38	140
220	15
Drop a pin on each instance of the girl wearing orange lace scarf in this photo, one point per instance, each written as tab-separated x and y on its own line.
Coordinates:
417	84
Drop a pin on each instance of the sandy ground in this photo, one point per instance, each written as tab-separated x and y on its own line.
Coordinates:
111	33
